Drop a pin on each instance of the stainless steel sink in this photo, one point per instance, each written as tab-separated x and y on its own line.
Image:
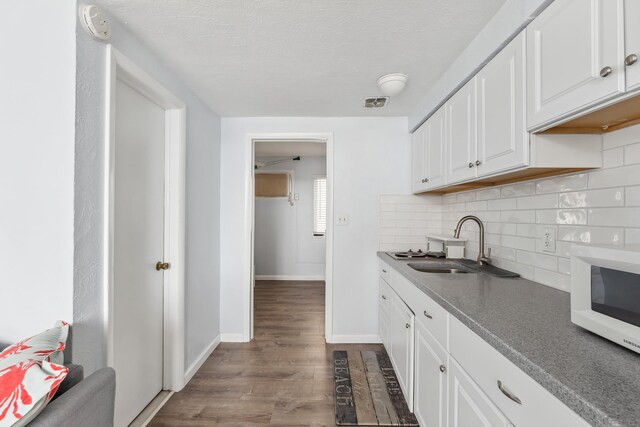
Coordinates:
447	269
460	266
440	270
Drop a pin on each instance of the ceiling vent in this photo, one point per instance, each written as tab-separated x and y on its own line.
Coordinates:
377	102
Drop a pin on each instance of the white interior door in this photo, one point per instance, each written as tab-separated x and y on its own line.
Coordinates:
138	244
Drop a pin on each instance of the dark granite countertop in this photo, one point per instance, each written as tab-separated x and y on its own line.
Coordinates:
530	324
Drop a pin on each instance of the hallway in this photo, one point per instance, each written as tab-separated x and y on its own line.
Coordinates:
283	377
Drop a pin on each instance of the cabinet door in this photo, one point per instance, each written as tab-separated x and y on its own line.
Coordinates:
430	391
632	42
435	134
569	45
503	142
401	338
468	405
461	134
418	165
383	312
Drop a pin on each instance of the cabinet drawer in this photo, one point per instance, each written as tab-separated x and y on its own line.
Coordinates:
384	295
433	317
385	271
498	378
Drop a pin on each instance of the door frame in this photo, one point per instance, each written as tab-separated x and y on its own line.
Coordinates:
121	68
327	138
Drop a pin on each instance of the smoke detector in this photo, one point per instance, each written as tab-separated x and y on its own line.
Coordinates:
376	102
392	84
95	22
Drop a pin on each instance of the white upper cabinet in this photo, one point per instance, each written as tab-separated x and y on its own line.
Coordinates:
632	43
435	140
575	58
461	134
418	164
503	142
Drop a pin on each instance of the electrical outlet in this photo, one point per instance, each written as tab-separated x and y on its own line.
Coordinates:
549	240
296	196
342	219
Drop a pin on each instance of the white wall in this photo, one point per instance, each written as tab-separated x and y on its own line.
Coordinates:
601	207
371	157
37	81
202	201
285	247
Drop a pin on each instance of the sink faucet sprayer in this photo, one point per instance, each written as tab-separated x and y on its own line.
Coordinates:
482	258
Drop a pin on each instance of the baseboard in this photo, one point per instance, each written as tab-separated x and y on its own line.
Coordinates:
233	338
200	360
356	339
298	278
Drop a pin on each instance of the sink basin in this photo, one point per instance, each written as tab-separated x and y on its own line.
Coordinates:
453	269
440	270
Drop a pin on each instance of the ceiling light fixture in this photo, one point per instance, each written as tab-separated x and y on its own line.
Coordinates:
392	84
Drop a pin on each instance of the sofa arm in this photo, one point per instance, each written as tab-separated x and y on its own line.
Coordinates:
89	403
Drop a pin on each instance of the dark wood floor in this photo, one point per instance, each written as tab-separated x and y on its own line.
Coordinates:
283	377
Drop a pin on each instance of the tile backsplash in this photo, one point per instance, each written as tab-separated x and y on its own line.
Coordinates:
600	207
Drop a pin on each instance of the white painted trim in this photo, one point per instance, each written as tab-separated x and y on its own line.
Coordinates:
247	269
197	364
356	339
297	278
119	67
233	338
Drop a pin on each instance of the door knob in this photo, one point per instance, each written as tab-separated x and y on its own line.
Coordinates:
162	265
407	325
443	368
478	162
630	59
606	71
470	165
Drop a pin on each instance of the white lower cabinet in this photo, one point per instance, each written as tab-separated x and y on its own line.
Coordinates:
430	385
401	345
452	377
469	406
383	312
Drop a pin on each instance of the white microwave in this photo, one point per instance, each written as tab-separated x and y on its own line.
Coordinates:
605	293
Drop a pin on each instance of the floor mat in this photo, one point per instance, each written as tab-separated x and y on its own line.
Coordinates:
366	391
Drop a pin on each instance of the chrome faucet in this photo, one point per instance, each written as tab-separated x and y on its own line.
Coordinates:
482	258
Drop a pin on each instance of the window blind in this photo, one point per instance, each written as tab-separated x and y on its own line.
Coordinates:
319	205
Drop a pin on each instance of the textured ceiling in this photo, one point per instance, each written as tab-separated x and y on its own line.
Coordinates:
304	57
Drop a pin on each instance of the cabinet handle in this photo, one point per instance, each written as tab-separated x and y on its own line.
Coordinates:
443	368
423	180
384	271
470	165
427	315
426	180
606	71
630	59
384	297
406	325
478	162
507	393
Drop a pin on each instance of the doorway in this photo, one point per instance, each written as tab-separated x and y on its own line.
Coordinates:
306	246
144	253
